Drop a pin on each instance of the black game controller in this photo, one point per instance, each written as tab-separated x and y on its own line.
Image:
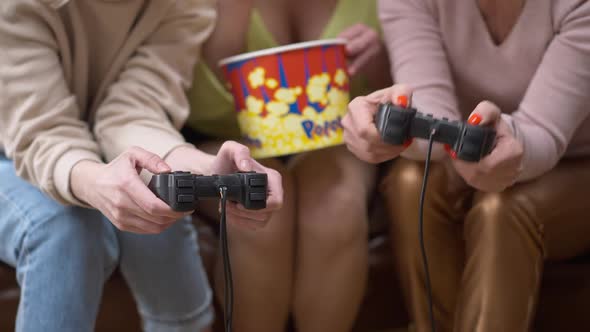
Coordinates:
182	190
397	125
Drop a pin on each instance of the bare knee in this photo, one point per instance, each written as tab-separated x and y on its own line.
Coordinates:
335	214
281	227
333	189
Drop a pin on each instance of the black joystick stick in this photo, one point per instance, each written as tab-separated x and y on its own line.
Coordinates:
182	190
397	125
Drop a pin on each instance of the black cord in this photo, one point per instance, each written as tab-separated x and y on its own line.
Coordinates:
421	225
229	292
228	289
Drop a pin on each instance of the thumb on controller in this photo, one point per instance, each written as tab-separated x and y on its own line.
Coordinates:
240	155
485	113
399	95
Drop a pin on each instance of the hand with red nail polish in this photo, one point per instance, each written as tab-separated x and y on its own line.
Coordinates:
360	133
402	100
500	169
474	119
450	151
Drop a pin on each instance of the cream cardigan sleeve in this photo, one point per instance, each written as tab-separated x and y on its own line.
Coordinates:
147	104
40	124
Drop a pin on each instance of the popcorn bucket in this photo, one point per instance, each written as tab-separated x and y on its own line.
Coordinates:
292	98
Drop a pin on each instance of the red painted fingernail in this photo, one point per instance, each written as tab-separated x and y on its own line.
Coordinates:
402	101
450	151
408	142
474	119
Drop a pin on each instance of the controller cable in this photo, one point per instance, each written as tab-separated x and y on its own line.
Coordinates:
227	274
228	289
421	228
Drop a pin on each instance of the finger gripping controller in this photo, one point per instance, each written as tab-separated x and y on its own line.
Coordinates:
397	125
182	190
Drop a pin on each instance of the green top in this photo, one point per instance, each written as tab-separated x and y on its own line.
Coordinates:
212	110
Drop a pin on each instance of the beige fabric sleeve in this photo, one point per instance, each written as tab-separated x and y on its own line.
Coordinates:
147	105
40	124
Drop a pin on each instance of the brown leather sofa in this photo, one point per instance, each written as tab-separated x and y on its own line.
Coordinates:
564	303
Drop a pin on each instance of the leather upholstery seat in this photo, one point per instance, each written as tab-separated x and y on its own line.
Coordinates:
565	295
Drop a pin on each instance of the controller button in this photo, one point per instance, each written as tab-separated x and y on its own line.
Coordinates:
257	196
430	115
180	173
445	118
185	183
186	198
258	182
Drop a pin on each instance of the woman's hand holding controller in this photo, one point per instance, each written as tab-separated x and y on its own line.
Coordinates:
117	190
234	157
500	169
360	133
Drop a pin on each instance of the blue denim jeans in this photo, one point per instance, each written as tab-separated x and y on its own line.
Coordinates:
64	255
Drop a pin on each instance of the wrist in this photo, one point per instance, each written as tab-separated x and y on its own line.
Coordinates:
82	177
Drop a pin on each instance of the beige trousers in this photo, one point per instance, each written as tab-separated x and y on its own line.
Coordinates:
485	250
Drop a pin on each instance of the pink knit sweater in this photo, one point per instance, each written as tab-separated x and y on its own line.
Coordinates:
539	76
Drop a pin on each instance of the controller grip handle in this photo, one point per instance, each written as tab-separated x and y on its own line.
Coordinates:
394	123
475	142
256	193
175	189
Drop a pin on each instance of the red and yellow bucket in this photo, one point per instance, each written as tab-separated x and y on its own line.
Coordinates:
292	98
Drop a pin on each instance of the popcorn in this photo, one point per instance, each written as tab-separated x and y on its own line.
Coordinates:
298	144
340	77
309	112
254	105
278	131
276	108
338	98
317	88
288	95
292	123
271	83
256	77
249	122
